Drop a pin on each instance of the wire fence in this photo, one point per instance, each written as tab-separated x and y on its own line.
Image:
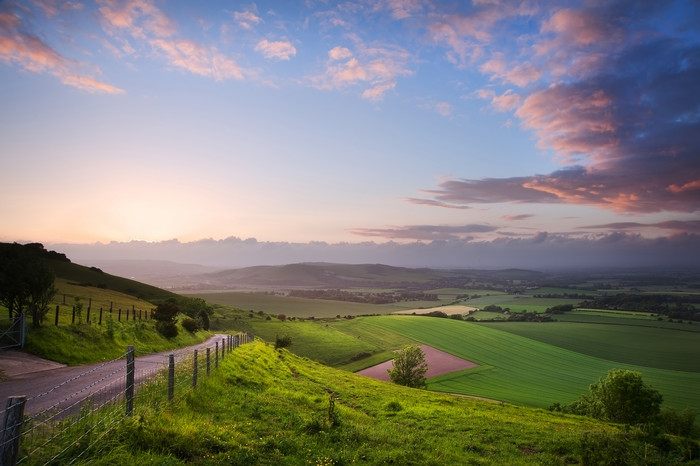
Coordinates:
63	423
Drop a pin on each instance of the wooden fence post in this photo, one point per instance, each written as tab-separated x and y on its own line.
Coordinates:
216	356
11	430
171	377
194	371
129	380
100	316
208	360
56	318
73	320
223	346
119	317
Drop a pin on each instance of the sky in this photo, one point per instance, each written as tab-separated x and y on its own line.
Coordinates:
415	132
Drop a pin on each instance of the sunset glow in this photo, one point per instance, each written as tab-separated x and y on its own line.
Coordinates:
487	123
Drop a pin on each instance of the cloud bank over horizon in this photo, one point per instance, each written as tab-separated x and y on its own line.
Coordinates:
541	251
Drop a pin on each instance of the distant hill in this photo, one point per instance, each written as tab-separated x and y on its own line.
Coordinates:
327	275
92	276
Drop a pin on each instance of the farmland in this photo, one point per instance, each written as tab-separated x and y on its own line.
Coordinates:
522	370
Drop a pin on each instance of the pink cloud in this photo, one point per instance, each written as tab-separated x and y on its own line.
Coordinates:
141	18
506	101
198	59
34	55
247	19
377	67
280	50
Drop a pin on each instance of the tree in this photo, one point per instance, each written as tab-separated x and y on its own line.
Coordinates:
41	291
620	397
409	367
25	280
166	316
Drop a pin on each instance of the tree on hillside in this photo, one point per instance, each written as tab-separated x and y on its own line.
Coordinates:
25	280
409	367
166	316
620	397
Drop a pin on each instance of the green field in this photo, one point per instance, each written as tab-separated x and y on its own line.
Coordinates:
525	371
627	344
304	307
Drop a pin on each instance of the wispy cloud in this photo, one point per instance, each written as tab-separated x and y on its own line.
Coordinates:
34	55
426	232
374	67
247	19
686	226
144	21
280	50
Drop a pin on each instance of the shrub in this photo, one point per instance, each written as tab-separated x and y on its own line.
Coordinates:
283	342
167	329
190	324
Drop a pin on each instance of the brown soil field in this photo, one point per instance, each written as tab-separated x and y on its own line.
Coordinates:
438	361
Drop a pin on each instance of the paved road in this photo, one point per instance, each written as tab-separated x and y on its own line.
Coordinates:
47	384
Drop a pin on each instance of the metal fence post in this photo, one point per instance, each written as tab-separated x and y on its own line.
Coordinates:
194	371
11	430
129	380
171	377
208	360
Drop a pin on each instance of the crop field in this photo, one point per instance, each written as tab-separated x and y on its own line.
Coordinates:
628	344
304	307
522	370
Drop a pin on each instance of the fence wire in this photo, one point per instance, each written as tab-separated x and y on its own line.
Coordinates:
66	430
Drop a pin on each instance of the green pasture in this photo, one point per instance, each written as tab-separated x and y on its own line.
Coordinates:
306	307
626	344
525	371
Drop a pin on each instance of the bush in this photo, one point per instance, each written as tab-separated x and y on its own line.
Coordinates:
190	324
283	342
167	329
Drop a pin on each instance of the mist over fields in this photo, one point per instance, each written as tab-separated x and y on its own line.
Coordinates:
541	251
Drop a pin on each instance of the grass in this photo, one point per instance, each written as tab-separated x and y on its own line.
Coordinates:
524	371
272	407
628	344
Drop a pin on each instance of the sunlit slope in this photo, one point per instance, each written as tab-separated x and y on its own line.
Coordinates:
269	407
525	371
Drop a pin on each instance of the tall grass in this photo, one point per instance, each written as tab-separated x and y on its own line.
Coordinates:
272	407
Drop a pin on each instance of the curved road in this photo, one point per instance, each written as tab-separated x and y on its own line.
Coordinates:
47	384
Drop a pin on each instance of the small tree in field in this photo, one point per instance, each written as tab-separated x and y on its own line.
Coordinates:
620	397
409	367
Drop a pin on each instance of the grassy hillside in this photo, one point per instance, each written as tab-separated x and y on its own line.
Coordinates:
522	370
272	407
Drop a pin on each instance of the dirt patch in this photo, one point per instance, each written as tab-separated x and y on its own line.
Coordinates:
449	310
439	363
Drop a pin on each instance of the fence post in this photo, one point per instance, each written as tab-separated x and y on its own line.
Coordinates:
11	430
88	315
171	377
208	360
100	316
223	346
129	380
73	319
119	316
236	341
56	318
194	371
216	356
